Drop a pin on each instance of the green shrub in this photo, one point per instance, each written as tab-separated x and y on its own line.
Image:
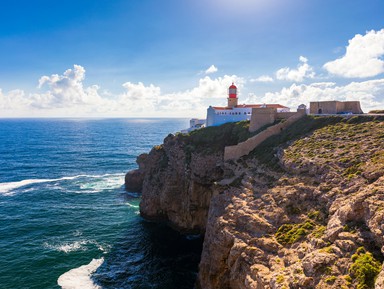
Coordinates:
330	279
215	138
291	233
280	279
364	269
319	231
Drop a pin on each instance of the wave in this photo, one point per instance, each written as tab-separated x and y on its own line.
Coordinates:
102	183
80	278
132	206
68	247
10	187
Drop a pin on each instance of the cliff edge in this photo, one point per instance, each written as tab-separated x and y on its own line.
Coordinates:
177	179
305	209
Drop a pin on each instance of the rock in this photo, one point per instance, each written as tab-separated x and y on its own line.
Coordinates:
178	185
134	181
316	262
379	284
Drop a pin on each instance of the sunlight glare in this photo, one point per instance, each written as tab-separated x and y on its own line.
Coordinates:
244	6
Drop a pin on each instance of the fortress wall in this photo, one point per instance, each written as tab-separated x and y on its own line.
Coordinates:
261	117
237	151
353	106
334	107
285	115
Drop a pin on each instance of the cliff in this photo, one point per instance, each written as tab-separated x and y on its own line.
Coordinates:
177	178
305	209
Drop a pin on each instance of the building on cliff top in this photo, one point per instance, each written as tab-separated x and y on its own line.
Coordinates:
335	107
233	112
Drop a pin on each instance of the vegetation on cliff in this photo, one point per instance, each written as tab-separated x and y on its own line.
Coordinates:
305	209
306	201
215	138
267	151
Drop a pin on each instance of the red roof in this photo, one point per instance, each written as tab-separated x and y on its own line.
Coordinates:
233	86
250	106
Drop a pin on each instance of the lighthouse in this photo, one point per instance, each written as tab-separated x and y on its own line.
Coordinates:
232	96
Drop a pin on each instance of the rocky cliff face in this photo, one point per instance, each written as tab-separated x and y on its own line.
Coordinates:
177	187
304	210
316	220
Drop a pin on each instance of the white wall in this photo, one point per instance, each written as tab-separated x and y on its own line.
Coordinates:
218	117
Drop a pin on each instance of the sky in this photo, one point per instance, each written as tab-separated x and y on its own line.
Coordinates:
174	58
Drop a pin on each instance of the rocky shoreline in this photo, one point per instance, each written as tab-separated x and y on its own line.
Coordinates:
303	210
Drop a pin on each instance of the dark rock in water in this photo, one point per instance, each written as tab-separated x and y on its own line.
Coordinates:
134	179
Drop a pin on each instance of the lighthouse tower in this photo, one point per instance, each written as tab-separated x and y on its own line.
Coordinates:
232	96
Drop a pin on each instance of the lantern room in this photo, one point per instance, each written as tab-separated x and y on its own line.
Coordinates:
232	91
232	96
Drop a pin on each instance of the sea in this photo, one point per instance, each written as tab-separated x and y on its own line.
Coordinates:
66	220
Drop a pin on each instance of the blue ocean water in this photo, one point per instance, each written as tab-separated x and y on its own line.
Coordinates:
66	220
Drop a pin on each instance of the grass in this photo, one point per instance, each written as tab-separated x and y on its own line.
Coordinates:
377	111
364	269
266	151
325	138
214	138
330	279
291	233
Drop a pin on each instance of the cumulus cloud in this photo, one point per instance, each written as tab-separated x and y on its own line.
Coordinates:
139	97
303	71
263	78
65	95
211	69
363	57
369	93
65	90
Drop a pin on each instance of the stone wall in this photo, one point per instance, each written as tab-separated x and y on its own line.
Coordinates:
285	115
237	151
261	117
334	107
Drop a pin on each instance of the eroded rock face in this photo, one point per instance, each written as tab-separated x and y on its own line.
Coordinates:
177	186
298	226
134	179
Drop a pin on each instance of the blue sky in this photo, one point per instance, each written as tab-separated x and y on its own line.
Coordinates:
174	58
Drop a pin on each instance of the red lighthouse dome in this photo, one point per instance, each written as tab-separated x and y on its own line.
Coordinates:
232	91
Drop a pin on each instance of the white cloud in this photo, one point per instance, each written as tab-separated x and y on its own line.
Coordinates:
65	90
263	78
303	71
66	96
369	93
211	69
362	58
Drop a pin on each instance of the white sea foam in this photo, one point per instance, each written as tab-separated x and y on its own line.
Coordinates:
103	183
107	181
67	247
132	206
80	278
7	188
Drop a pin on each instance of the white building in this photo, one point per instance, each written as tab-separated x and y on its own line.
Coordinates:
194	123
233	112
